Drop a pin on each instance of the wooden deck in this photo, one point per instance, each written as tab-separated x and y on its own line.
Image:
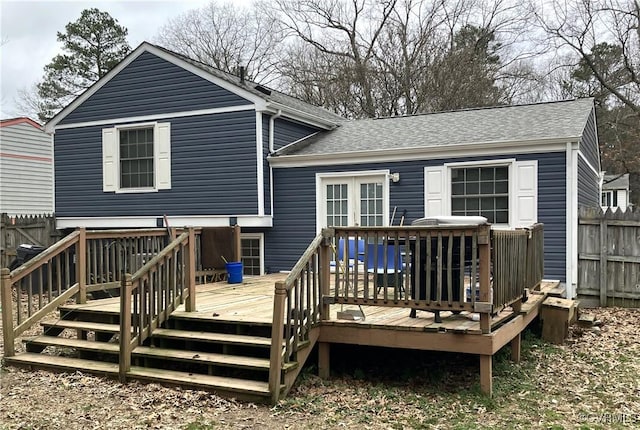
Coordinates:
246	312
252	302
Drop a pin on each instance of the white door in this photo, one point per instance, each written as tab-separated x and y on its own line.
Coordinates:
353	201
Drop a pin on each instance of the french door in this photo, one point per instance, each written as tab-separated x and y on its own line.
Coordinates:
353	201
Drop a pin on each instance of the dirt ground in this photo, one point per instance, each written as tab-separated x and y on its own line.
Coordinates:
591	382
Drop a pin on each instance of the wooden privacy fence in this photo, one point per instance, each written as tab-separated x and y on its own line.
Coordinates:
609	257
35	230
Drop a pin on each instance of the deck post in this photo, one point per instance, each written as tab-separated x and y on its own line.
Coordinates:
484	245
277	334
81	265
324	360
486	377
7	313
325	270
125	328
238	243
515	348
190	304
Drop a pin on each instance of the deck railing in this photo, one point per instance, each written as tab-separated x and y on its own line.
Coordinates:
517	262
35	289
84	262
297	308
435	268
153	292
111	253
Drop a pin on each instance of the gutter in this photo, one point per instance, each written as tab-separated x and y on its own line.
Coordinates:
431	152
273	107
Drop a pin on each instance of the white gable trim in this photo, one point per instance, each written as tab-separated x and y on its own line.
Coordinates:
146	47
156	117
581	155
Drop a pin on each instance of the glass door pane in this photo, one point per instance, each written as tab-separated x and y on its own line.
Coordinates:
371	210
337	204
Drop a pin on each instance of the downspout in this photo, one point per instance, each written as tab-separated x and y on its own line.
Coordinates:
272	122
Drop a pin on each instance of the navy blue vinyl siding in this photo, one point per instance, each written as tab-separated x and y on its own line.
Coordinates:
212	171
286	132
294	223
589	142
588	185
150	85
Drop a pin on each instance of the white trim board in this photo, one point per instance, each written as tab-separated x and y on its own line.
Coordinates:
174	221
155	117
478	149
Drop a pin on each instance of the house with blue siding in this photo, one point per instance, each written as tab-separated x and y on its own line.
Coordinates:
162	134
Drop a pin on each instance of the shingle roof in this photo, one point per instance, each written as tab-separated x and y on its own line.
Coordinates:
553	120
273	96
615	182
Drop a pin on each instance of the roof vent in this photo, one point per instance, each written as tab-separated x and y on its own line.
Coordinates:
263	90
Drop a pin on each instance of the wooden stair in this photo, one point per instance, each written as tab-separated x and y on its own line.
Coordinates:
226	357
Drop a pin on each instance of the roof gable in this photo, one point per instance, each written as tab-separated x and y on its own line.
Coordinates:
22	120
269	101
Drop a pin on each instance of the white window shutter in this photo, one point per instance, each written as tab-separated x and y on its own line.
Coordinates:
163	141
434	188
109	161
525	200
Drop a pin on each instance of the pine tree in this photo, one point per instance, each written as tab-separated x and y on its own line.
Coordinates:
92	46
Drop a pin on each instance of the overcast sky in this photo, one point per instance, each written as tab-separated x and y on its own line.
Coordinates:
28	32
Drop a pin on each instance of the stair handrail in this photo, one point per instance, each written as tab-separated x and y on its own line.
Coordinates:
297	308
174	283
39	306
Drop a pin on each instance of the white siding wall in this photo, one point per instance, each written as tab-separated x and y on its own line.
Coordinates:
26	170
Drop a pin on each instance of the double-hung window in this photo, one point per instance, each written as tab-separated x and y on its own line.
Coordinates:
136	158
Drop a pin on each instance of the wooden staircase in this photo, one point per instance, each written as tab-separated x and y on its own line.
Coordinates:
229	358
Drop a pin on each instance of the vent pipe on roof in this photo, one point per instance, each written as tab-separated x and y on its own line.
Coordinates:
242	74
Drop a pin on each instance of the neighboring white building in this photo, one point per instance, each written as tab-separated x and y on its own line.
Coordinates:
615	192
26	168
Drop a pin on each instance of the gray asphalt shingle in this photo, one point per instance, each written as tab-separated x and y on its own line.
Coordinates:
565	119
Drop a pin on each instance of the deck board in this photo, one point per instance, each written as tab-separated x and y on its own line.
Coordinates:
251	302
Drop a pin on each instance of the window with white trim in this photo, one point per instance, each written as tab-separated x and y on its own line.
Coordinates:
503	191
136	158
610	198
252	253
481	191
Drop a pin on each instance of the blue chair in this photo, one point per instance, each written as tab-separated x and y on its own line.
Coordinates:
394	266
355	252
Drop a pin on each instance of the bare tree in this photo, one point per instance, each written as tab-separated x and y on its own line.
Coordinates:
226	36
602	38
348	30
580	26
